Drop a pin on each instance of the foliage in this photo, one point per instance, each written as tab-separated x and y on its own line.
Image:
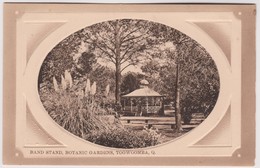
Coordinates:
81	115
130	82
103	76
67	113
125	138
53	66
124	43
84	64
199	80
77	113
60	58
120	42
161	77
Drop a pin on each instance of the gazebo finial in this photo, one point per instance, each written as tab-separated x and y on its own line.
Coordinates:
144	83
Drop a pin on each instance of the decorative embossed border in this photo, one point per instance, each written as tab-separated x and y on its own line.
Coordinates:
240	115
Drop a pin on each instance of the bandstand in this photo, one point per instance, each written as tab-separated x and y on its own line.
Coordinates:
143	102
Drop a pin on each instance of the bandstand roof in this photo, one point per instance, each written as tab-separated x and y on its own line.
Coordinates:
143	92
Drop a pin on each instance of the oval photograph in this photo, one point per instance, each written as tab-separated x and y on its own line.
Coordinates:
128	83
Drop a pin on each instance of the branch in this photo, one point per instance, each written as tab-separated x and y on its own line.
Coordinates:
127	51
123	30
130	25
109	24
132	38
126	59
123	38
131	47
126	67
107	58
110	56
103	42
107	53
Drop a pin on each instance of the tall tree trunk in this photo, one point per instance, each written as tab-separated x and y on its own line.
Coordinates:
118	64
177	101
118	82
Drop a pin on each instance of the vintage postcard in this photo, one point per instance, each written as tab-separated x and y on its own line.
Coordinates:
91	84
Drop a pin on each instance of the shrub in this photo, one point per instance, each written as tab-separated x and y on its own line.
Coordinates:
78	116
119	137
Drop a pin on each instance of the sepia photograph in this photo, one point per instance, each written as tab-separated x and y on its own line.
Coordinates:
129	84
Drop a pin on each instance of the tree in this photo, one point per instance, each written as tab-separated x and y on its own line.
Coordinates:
177	98
130	83
59	59
84	64
196	76
120	42
103	76
193	72
201	80
54	65
161	75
